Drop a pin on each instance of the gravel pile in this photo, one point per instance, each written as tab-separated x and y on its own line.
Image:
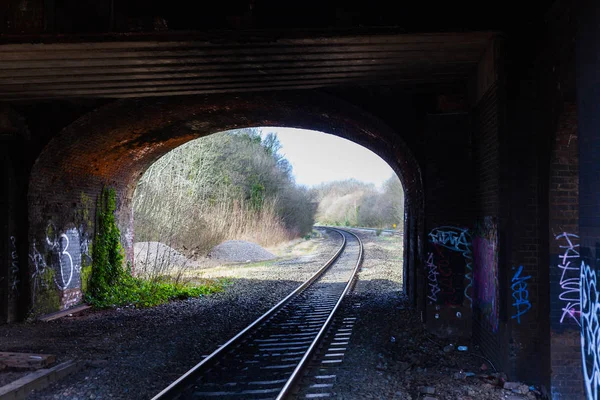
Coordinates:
156	256
239	251
135	353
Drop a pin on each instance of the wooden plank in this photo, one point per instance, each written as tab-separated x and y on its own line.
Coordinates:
63	313
26	360
37	380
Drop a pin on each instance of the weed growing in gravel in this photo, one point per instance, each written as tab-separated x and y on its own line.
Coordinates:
112	285
143	293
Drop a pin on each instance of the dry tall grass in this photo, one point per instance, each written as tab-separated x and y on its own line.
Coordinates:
219	188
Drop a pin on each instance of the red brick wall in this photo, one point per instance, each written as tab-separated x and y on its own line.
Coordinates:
486	144
564	261
116	143
448	185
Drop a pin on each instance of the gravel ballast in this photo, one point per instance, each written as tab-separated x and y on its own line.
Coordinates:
135	353
390	354
239	251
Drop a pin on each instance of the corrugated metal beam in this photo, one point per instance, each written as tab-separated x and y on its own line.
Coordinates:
138	68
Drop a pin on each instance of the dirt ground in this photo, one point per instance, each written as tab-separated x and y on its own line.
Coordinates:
391	356
134	353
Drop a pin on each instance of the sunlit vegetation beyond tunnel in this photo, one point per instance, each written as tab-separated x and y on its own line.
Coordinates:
355	203
230	185
239	185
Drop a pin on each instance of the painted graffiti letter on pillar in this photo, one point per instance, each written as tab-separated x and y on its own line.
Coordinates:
14	266
432	279
520	294
458	240
39	268
570	277
590	331
67	254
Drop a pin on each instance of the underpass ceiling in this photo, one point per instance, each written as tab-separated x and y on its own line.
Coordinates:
177	64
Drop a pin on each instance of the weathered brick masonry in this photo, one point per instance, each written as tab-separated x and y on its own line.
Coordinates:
500	168
565	291
487	322
122	139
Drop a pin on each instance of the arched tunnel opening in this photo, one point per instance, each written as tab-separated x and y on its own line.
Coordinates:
265	185
112	147
489	119
125	138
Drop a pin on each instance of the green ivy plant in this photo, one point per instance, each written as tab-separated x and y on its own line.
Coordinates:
107	253
111	284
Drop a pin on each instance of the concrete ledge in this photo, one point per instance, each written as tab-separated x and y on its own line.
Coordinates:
39	379
63	313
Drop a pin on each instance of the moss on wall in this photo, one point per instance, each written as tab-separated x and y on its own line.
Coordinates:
47	297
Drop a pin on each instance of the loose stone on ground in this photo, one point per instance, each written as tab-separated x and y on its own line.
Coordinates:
135	353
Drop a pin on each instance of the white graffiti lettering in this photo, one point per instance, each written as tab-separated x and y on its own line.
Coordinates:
39	267
71	297
66	265
570	277
434	288
457	239
14	265
590	331
65	284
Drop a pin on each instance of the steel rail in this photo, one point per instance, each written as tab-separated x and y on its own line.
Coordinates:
176	387
313	346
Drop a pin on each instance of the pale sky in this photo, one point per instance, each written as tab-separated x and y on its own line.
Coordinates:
317	157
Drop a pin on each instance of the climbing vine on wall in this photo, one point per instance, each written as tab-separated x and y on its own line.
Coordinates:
107	254
111	284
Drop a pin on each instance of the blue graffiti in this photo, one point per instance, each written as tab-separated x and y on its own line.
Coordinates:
520	294
590	330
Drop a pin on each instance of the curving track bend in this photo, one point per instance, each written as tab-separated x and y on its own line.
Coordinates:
265	359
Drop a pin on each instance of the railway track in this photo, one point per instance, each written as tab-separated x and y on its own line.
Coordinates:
266	359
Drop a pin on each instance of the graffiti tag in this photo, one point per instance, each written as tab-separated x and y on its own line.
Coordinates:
570	277
68	267
459	240
432	278
520	294
14	265
39	267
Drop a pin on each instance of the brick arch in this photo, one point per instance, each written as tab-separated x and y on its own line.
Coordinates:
116	143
